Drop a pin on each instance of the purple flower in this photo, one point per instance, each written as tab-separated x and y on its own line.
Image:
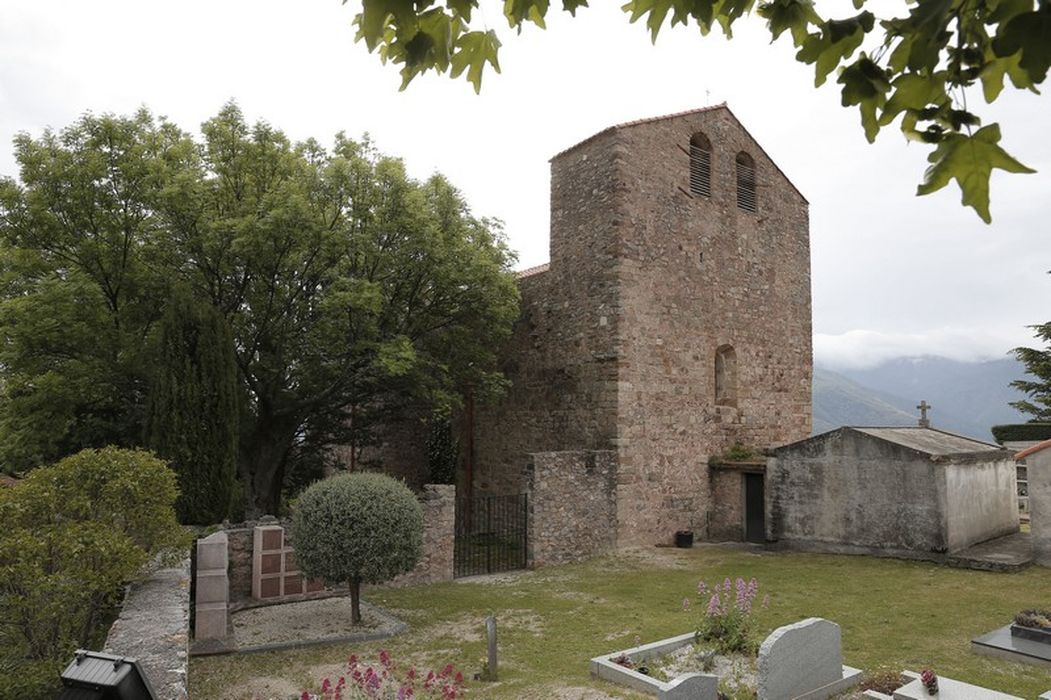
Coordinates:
685	604
713	606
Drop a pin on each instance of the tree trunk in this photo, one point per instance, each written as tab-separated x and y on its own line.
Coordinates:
355	600
264	455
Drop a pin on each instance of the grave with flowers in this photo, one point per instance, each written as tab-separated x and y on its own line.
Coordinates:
723	656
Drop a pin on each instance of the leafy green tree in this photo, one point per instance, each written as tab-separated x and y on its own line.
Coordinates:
78	297
917	66
1038	364
350	290
74	533
359	528
191	416
443	451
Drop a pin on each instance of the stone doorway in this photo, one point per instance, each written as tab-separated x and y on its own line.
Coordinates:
754	508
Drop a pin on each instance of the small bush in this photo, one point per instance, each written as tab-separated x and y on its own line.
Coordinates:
727	621
1021	432
74	534
358	528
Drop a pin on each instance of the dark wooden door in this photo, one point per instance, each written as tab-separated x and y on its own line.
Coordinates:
754	508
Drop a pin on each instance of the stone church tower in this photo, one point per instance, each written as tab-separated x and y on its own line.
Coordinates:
672	322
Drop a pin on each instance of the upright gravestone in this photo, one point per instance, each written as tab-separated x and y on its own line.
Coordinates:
804	660
212	588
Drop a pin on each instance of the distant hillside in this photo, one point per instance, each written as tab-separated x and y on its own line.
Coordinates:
840	401
967	397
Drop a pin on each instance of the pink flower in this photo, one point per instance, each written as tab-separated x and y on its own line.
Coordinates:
685	604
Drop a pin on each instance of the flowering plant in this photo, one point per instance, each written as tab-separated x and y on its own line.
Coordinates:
727	620
930	681
389	682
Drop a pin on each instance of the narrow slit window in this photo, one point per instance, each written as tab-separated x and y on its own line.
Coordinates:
700	166
725	376
746	196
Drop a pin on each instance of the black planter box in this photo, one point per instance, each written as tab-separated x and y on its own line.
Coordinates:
684	539
1037	634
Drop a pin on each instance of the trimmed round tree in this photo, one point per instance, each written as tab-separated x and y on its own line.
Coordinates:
358	528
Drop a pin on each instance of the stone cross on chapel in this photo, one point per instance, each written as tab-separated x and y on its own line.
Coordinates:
924	407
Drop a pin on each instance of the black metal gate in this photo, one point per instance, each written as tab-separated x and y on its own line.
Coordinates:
491	535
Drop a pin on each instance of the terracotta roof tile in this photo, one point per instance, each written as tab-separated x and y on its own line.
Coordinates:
1032	449
530	271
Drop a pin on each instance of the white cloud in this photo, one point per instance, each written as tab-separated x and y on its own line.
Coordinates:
858	349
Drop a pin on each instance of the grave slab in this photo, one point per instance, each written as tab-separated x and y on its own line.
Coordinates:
949	689
1002	644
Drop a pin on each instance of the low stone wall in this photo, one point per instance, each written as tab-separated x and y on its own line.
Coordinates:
436	562
154	628
572	505
439	530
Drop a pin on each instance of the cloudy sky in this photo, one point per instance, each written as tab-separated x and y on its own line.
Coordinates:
893	274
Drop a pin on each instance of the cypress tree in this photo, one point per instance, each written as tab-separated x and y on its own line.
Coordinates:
191	413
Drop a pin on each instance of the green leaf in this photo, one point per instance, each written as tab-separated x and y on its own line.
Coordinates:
838	40
865	84
473	51
914	92
1029	34
794	16
970	161
993	72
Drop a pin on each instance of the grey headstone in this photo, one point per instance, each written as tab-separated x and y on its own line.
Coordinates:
799	658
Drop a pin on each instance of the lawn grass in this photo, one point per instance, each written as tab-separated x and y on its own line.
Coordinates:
905	615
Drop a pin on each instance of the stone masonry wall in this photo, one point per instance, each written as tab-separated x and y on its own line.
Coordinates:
697	273
572	505
617	340
436	561
726	518
562	358
154	628
439	529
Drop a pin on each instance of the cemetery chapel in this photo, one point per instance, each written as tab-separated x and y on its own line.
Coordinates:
672	323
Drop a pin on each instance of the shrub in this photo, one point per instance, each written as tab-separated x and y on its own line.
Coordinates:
386	681
74	533
727	621
358	528
1021	432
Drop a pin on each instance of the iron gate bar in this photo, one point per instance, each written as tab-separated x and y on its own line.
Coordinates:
491	535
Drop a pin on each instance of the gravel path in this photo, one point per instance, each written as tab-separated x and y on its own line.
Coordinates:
310	621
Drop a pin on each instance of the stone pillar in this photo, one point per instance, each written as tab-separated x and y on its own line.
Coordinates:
439	531
212	587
